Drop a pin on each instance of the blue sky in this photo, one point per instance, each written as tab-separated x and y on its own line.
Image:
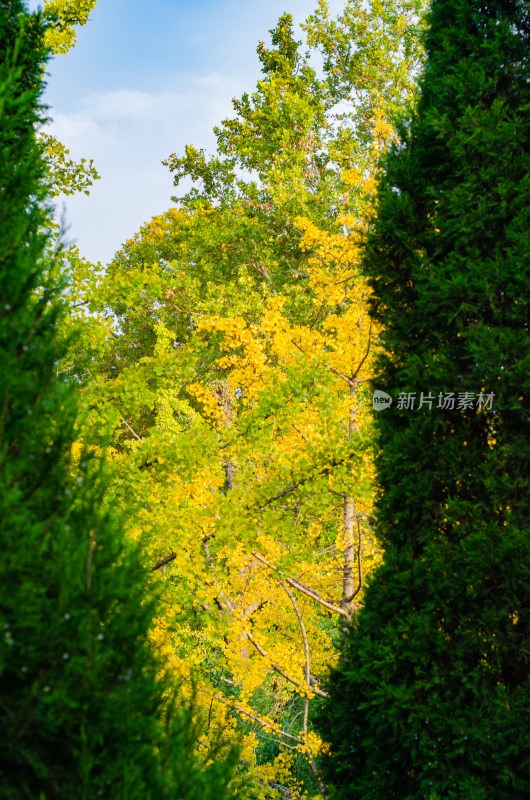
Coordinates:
146	78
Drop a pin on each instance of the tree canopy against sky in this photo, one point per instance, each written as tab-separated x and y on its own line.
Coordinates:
228	352
236	381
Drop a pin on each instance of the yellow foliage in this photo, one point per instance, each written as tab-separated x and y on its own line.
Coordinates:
253	478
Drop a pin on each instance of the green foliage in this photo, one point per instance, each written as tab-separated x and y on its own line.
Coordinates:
432	697
83	710
297	145
61	17
232	382
65	175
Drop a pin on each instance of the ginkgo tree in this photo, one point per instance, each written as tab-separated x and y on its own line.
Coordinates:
236	382
66	176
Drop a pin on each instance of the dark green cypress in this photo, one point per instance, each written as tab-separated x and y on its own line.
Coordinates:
432	695
81	708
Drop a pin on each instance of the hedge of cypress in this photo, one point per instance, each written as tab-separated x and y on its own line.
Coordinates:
432	695
82	712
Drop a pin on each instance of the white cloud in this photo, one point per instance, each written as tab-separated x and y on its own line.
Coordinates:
127	129
128	133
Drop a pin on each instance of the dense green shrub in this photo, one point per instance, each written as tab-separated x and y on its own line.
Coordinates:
82	711
432	695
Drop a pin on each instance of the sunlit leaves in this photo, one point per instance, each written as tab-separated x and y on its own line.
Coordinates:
235	384
63	16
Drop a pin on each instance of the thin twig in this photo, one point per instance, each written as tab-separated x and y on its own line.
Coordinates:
300	586
261	721
307	678
340	494
124	422
359	564
363	359
280	495
302	481
328	366
309	689
304	437
164	561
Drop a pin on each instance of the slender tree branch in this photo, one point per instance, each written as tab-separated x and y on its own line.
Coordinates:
328	366
359	560
307	678
307	669
339	374
261	721
124	422
303	481
304	437
280	671
300	586
288	794
319	312
345	280
340	494
164	561
239	435
359	564
280	495
363	359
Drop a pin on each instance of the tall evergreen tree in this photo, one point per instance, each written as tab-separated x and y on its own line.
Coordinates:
432	695
81	706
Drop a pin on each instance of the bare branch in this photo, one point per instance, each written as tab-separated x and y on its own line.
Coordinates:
279	495
349	381
340	374
300	586
164	561
239	435
302	481
124	422
288	794
319	312
280	671
345	280
340	494
261	721
296	272
306	649
359	564
307	678
304	437
363	359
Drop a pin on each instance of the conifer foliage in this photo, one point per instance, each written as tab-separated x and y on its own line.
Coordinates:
80	700
432	695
